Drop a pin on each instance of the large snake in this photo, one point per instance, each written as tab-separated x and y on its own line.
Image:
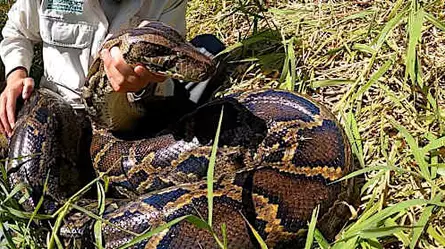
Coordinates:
279	156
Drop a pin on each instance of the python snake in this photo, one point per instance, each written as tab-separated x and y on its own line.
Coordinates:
278	157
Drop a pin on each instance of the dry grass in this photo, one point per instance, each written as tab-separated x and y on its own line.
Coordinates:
357	57
380	66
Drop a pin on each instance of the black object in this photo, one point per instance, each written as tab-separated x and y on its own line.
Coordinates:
208	41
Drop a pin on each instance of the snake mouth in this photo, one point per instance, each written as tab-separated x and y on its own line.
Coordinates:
164	66
169	73
160	64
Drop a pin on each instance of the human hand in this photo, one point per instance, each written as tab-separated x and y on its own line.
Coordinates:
17	83
123	77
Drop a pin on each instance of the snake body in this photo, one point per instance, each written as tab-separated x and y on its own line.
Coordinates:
278	157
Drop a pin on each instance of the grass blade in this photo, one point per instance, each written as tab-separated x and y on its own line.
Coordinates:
40	202
389	26
311	228
7	235
373	220
436	22
322	242
224	234
437	234
355	140
257	235
380	232
433	145
57	225
211	169
193	219
98	223
417	152
331	82
415	24
422	222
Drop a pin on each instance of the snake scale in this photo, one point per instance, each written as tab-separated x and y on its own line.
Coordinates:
278	157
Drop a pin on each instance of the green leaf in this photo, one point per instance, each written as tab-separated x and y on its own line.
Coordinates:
363	48
417	152
269	36
369	169
358	15
436	22
211	169
96	217
372	180
415	24
260	240
7	235
389	26
372	221
437	233
331	82
374	78
400	235
422	222
311	228
435	144
370	244
199	223
322	242
98	234
58	243
40	202
350	243
193	219
98	223
57	225
25	215
355	140
380	232
19	187
224	234
288	74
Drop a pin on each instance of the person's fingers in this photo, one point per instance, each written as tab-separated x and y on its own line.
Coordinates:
10	110
2	129
119	62
28	87
122	77
143	23
147	76
3	114
114	76
106	57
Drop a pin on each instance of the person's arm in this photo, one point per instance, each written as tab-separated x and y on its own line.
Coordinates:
20	33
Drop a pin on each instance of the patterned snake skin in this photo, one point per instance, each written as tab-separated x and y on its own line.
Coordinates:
279	153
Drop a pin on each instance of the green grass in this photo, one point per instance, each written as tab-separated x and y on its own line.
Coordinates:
379	66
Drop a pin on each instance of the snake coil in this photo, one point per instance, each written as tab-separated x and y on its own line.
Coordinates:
279	156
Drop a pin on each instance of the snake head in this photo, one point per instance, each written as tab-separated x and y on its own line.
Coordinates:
158	47
162	50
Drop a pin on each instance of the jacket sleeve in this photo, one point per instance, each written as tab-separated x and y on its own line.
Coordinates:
20	33
174	13
171	12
